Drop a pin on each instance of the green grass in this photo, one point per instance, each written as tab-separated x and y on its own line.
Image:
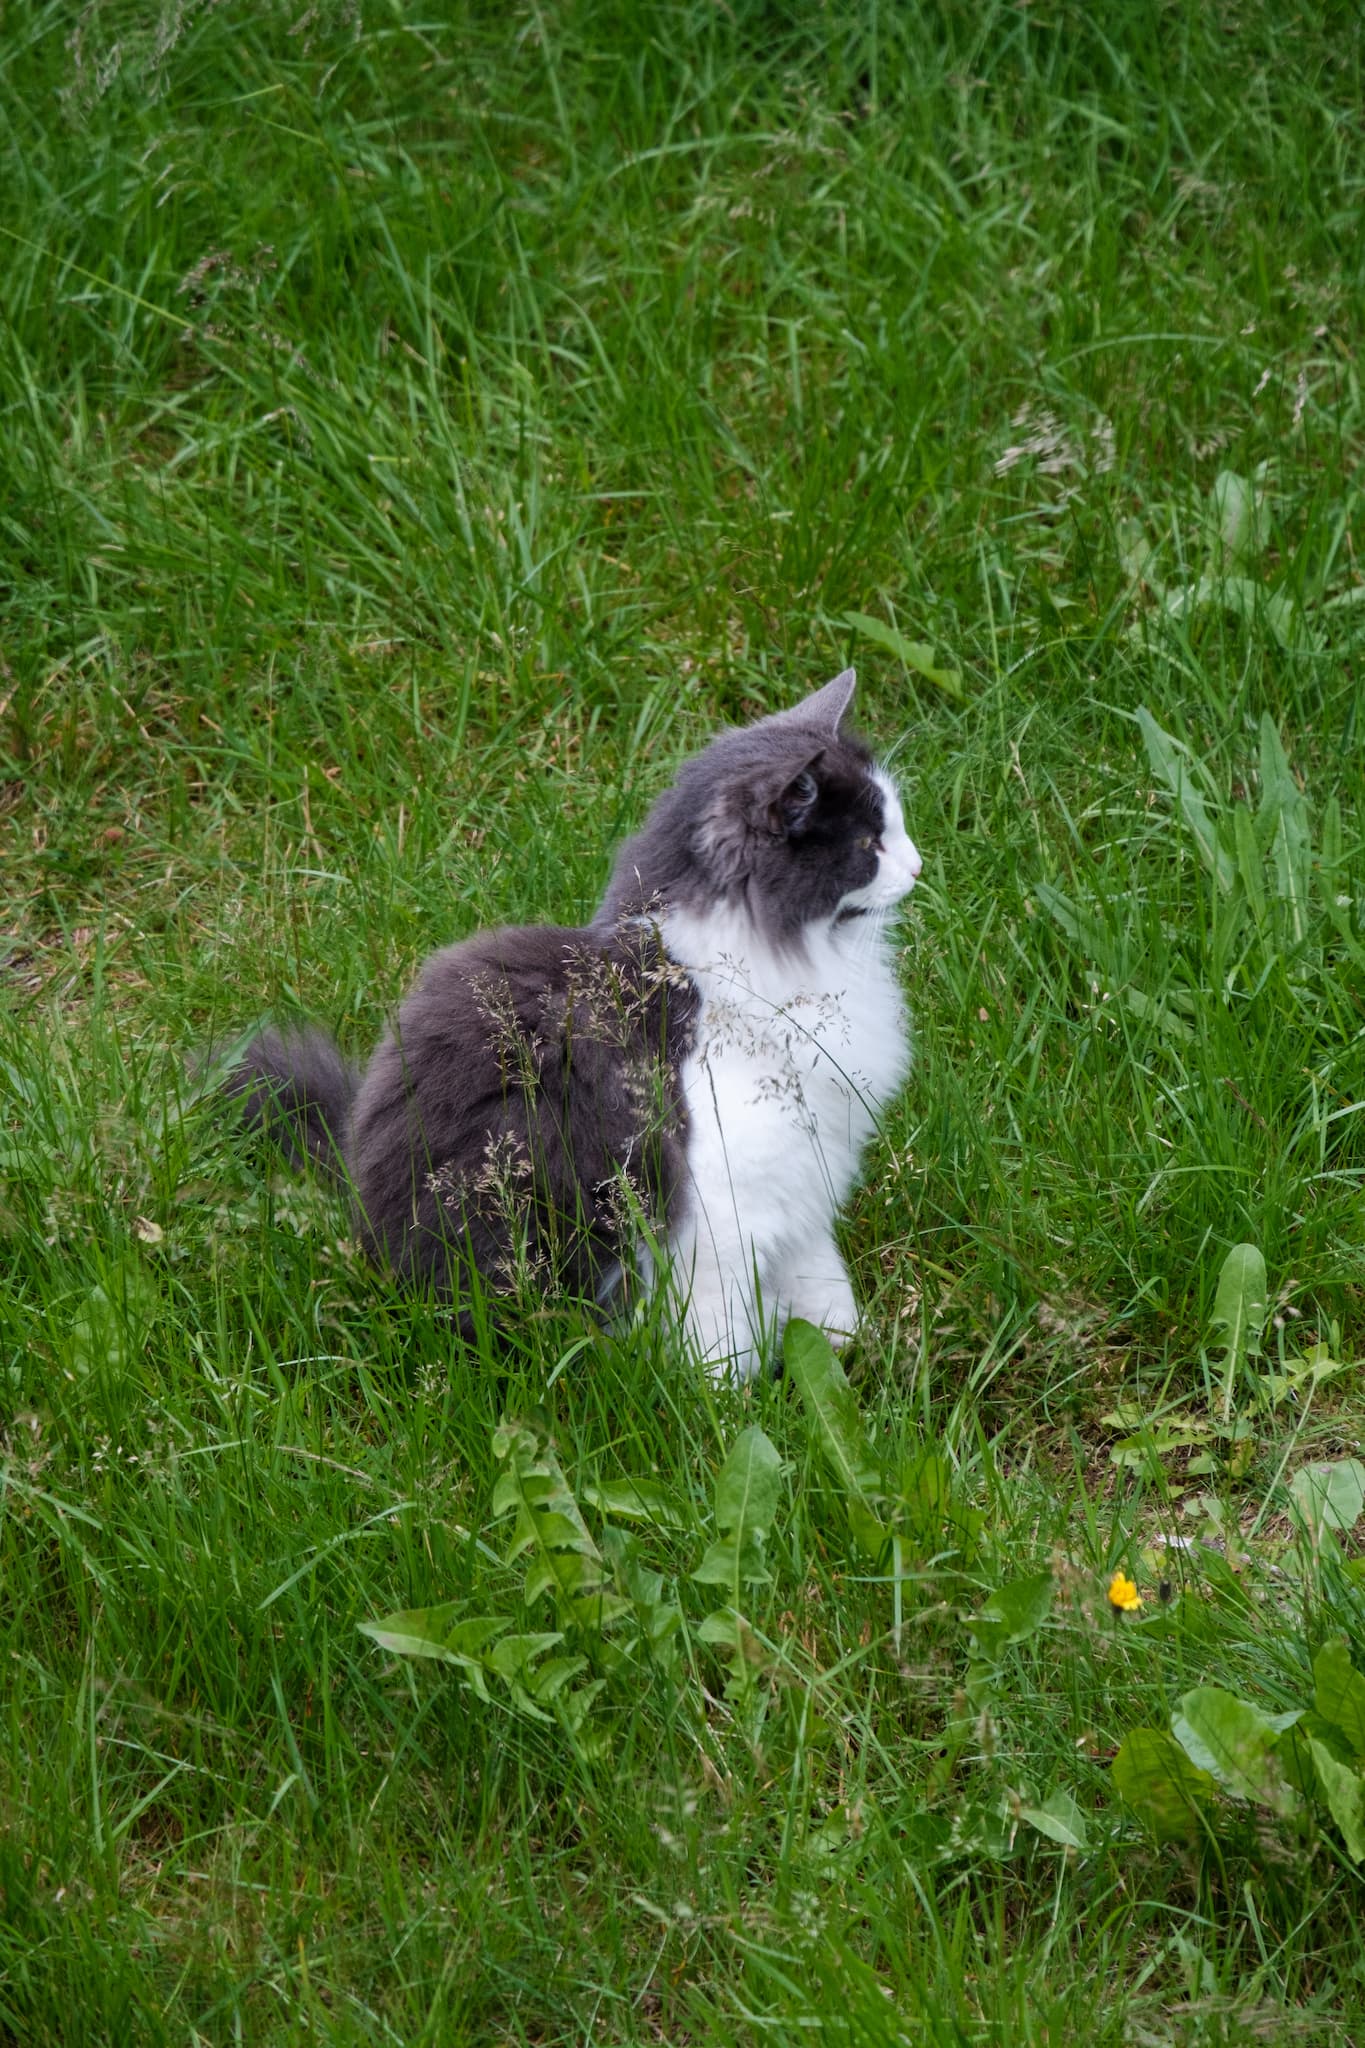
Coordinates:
420	429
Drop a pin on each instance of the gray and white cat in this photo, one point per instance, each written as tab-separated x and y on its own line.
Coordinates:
695	1073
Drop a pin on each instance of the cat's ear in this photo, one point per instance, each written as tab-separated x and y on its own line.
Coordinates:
825	708
792	811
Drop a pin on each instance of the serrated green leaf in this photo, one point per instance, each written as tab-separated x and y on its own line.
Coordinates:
108	1331
747	1489
833	1407
523	1703
434	1632
732	1635
728	1562
718	1627
597	1611
749	1484
1153	1011
1137	556
1126	1416
1310	1371
1153	1775
658	1617
1234	1741
419	1631
635	1500
1144	1450
1336	879
985	1827
1077	923
1339	1691
840	1831
514	1656
820	1380
565	1562
1288	622
1246	600
552	1676
553	1528
1109	954
926	1510
572	1710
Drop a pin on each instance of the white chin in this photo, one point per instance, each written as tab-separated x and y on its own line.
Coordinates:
853	908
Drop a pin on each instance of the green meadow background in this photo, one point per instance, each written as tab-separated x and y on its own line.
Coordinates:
422	426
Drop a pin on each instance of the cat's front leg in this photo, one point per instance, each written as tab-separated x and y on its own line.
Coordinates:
814	1285
726	1331
721	1305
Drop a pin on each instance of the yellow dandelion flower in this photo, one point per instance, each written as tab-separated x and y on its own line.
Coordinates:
1123	1594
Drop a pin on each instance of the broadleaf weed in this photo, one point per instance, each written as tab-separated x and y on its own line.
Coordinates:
420	431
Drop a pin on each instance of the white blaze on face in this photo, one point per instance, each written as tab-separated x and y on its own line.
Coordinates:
898	860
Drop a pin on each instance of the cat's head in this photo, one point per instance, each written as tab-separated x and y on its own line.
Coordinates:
789	820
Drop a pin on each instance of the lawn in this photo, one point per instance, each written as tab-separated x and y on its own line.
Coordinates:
422	427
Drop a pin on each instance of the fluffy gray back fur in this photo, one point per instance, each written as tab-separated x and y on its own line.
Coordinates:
523	1116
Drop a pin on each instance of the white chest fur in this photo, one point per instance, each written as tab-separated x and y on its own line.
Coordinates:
792	1059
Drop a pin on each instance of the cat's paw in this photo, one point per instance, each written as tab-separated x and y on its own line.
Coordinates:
827	1301
736	1368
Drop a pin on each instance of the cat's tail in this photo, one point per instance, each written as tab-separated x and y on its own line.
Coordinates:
296	1086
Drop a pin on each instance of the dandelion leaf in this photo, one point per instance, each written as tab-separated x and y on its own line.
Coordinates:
833	1408
749	1485
563	1559
437	1633
747	1490
634	1500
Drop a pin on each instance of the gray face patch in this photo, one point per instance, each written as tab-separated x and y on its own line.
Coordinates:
783	819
